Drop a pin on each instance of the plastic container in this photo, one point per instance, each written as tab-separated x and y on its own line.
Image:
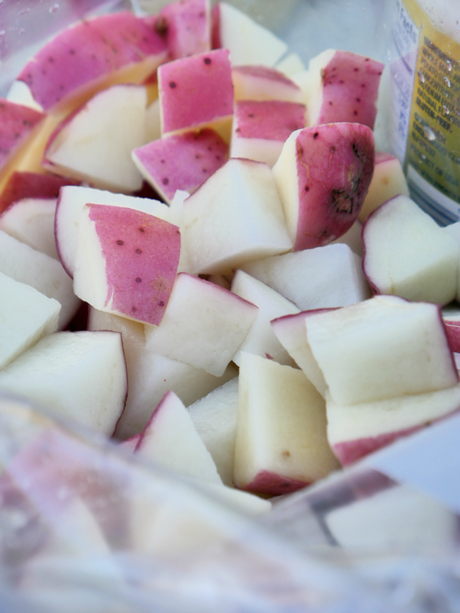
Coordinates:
85	526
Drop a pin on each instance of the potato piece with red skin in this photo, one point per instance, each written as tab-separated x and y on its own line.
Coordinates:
126	261
195	92
344	87
180	161
186	26
280	443
407	254
93	50
18	126
380	349
70	205
261	127
354	431
323	174
22	185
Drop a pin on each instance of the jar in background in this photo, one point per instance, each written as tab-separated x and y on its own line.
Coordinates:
425	95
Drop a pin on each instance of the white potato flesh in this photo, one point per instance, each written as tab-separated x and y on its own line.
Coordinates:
281	429
261	340
372	419
324	277
234	217
31	221
407	254
45	274
204	325
26	315
248	41
381	348
81	376
153	377
87	147
214	417
292	334
170	439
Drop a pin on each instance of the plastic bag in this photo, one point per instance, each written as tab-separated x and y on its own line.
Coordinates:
85	527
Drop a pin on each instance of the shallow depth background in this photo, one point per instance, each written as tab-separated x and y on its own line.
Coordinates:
308	26
311	26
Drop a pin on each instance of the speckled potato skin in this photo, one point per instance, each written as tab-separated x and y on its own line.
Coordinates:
90	50
350	88
334	164
141	253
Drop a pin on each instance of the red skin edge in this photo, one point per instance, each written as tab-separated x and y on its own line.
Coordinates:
272	484
149	424
350	451
216	43
218	288
307	313
452	329
152	78
134	437
32	185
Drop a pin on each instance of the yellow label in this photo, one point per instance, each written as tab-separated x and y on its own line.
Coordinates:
433	140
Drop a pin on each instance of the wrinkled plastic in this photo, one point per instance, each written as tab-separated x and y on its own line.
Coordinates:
86	527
